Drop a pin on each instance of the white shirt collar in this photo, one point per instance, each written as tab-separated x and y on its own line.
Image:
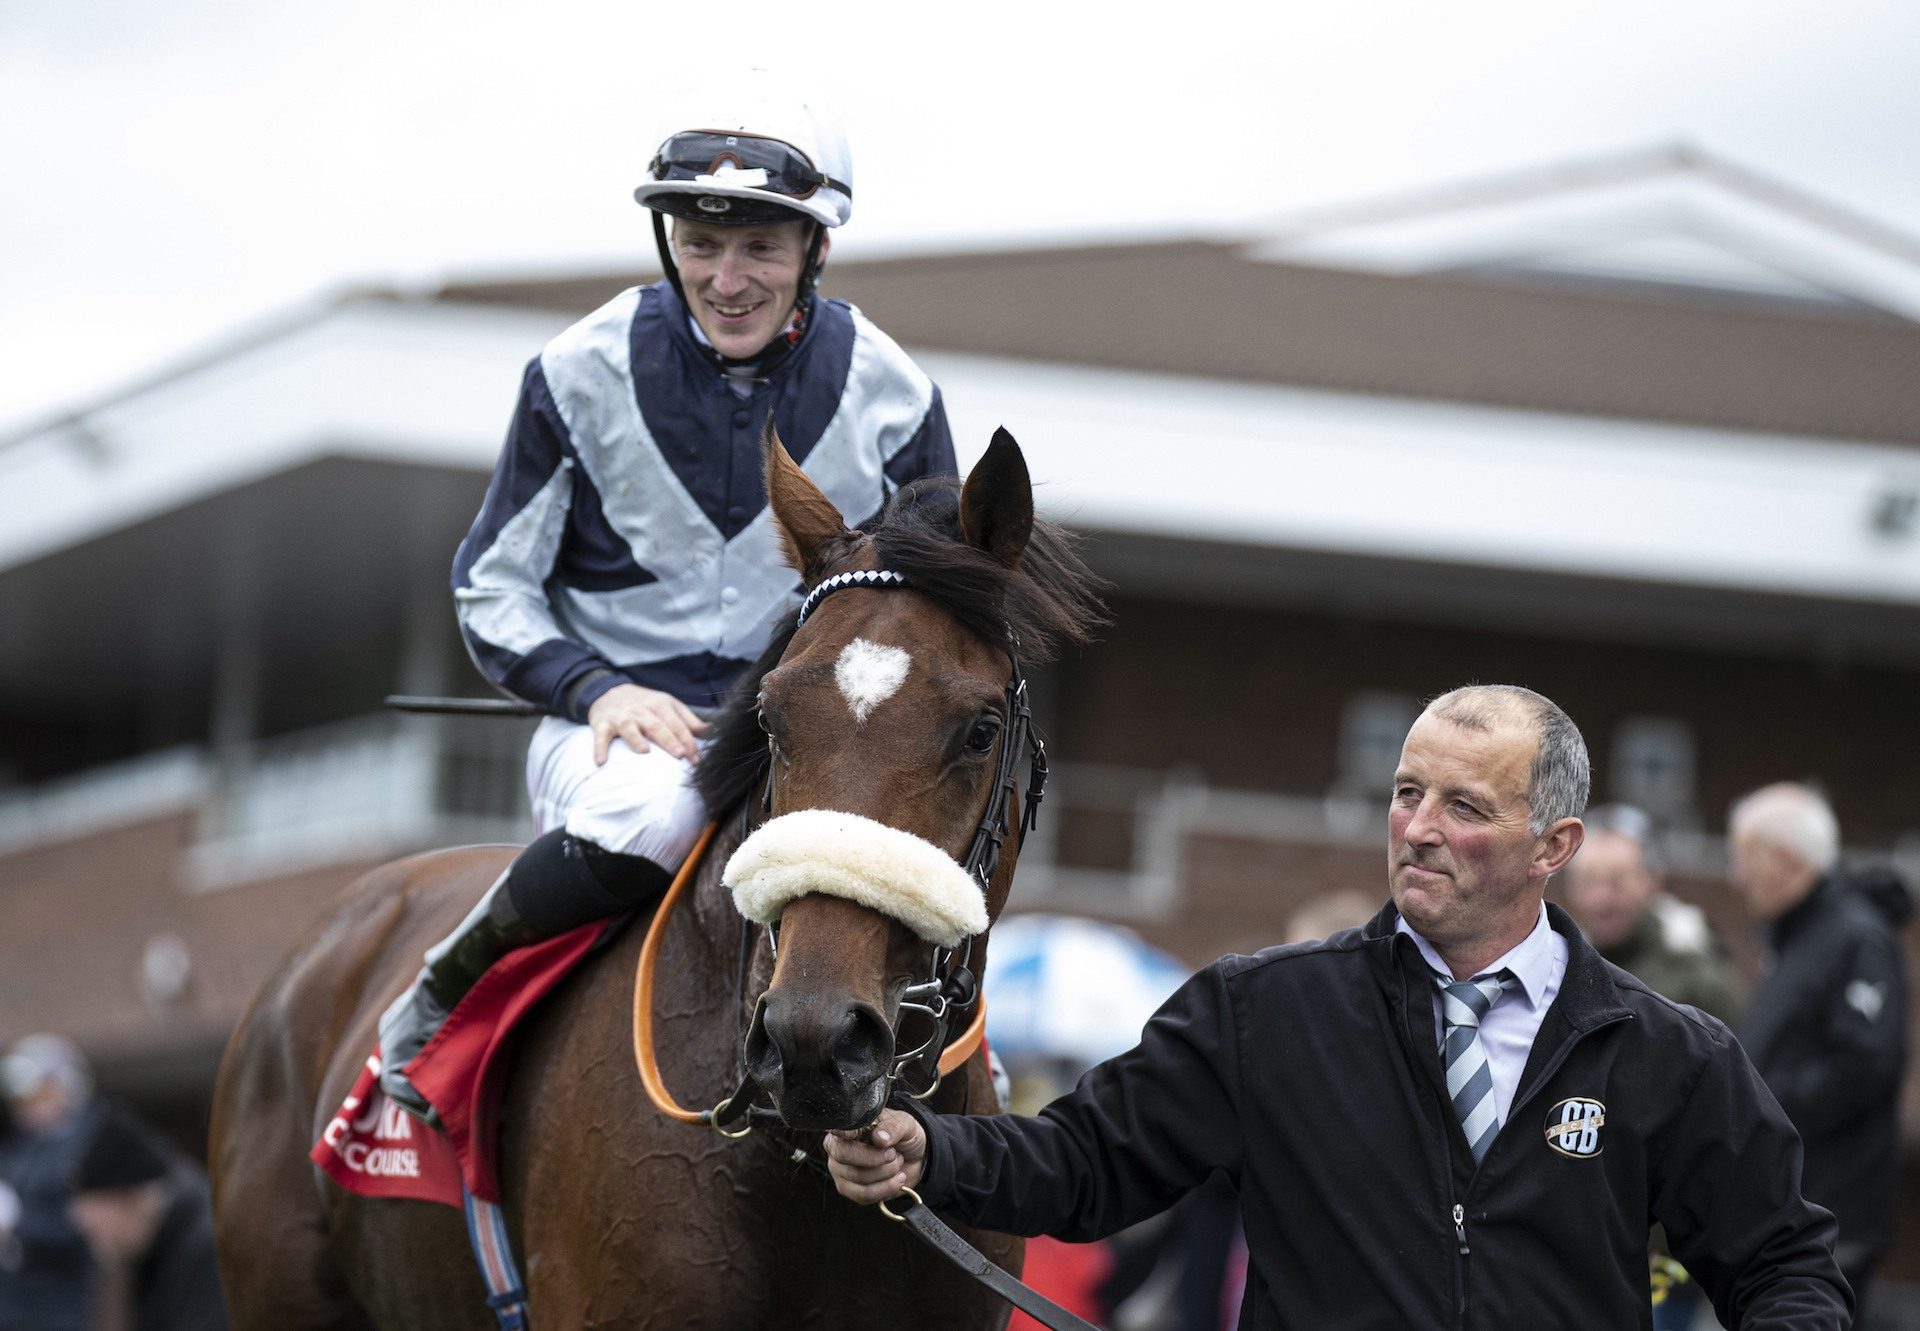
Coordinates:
1531	960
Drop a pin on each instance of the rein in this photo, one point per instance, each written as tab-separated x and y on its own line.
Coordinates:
643	1054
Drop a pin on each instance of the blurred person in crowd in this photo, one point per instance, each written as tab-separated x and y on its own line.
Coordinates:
147	1215
1827	1024
1614	893
1068	1273
1417	1114
1173	1272
620	574
46	1272
1327	913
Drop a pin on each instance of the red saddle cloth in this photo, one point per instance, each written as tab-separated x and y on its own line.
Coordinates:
376	1149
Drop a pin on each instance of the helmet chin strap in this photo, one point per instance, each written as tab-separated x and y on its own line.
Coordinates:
810	272
666	256
809	280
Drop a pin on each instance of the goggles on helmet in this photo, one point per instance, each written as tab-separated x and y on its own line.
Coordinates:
710	158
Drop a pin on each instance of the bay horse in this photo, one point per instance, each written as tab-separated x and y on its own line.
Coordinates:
890	705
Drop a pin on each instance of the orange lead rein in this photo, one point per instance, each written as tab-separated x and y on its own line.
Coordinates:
951	1059
643	1055
957	1053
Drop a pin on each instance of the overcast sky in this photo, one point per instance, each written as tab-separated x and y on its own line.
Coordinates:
169	171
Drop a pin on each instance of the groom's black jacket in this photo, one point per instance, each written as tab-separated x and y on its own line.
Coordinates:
1310	1075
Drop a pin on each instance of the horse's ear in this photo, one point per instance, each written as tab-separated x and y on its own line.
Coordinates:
812	534
996	506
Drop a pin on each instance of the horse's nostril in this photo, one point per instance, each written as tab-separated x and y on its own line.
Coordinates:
823	1063
864	1048
793	1039
762	1054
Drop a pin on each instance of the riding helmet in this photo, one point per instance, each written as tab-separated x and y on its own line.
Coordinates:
753	154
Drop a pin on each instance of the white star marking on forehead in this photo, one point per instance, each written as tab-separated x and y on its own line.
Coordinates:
869	673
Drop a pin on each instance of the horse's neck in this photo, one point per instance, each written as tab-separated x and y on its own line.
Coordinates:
711	903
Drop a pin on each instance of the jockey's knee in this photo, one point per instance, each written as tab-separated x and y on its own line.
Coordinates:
661	828
631	880
617	833
561	882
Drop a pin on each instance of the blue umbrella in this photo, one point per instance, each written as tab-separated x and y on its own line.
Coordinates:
1060	987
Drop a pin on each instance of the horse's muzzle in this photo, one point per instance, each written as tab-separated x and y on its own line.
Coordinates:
823	1063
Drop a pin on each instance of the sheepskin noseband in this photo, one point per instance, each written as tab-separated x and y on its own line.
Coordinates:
845	855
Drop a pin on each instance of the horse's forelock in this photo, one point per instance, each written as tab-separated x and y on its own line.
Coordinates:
1049	600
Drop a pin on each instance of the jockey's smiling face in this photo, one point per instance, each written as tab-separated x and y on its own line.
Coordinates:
741	281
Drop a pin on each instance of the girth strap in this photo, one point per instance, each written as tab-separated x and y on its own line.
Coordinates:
493	1253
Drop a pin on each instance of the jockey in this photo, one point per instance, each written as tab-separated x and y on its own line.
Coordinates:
623	570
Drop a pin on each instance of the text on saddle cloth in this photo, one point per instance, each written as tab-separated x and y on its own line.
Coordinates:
374	1149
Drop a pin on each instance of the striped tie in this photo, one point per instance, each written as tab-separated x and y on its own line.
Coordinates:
1469	1079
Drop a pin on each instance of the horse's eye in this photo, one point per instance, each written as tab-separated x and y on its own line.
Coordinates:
760	716
980	739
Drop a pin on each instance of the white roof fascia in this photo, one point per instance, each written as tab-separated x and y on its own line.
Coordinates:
1115	450
1671	257
156	785
1430	481
1532	230
402	382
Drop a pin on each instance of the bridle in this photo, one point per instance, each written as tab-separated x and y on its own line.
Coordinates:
951	987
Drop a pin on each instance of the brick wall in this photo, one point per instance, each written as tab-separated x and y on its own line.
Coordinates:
80	915
1252	699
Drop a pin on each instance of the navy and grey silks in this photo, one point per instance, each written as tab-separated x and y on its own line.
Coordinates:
626	528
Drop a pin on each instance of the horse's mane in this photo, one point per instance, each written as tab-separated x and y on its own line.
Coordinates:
1051	599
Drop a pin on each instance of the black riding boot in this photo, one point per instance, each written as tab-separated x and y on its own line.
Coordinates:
558	883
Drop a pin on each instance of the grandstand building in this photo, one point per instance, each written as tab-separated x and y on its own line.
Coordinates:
1642	433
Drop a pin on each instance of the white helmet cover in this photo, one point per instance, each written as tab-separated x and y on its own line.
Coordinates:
763	108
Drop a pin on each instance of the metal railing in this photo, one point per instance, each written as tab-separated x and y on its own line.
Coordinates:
1115	840
150	786
367	788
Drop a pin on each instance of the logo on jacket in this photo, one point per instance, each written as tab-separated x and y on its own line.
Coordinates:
1866	998
1573	1127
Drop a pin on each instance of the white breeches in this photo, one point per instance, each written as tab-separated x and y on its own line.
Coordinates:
636	804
